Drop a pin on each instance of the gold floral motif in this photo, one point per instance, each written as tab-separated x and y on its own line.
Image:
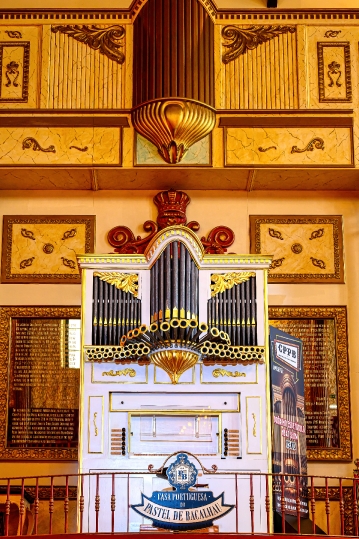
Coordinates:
12	69
275	234
27	234
317	143
14	34
239	40
68	263
276	263
128	282
334	69
69	234
108	40
226	281
222	372
254	430
26	262
95	424
317	234
125	372
332	33
318	263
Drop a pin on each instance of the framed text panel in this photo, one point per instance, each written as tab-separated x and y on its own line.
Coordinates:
323	331
40	349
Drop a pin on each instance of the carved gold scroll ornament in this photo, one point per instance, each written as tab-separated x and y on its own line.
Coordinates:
128	282
317	143
108	40
216	373
227	281
239	40
130	372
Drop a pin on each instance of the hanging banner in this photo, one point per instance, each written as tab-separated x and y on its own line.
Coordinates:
182	509
288	411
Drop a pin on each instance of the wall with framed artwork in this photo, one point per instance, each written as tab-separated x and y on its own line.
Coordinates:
231	209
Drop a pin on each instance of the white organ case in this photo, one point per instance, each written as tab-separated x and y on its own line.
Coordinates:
133	413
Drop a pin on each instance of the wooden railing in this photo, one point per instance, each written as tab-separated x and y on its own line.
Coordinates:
101	502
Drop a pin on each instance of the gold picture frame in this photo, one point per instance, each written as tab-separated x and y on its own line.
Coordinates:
305	248
7	316
287	319
43	248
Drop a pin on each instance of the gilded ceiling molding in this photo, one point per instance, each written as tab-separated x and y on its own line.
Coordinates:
173	125
108	40
239	40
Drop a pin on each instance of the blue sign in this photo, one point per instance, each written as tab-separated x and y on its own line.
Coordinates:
182	508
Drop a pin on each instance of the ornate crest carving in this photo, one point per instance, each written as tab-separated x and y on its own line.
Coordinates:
171	206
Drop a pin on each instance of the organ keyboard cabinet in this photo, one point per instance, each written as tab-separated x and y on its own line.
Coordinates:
175	357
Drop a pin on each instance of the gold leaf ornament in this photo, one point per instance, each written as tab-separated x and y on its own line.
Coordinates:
128	282
226	281
238	39
108	40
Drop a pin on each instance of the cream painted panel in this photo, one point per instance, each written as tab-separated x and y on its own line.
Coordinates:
20	45
58	146
324	35
328	146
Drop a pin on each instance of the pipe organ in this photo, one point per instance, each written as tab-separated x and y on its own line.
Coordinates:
174	357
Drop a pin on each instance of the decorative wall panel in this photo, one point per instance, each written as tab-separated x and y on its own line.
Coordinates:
14	71
42	249
58	146
19	68
80	77
334	71
305	248
322	146
264	77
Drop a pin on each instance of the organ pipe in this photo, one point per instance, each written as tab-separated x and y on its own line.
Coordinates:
114	313
235	312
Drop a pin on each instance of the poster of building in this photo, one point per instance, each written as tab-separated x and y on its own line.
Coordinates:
288	413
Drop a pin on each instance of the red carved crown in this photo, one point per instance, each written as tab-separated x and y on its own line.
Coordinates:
171	206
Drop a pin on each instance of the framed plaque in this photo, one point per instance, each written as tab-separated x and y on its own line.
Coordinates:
305	248
39	382
323	331
43	248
